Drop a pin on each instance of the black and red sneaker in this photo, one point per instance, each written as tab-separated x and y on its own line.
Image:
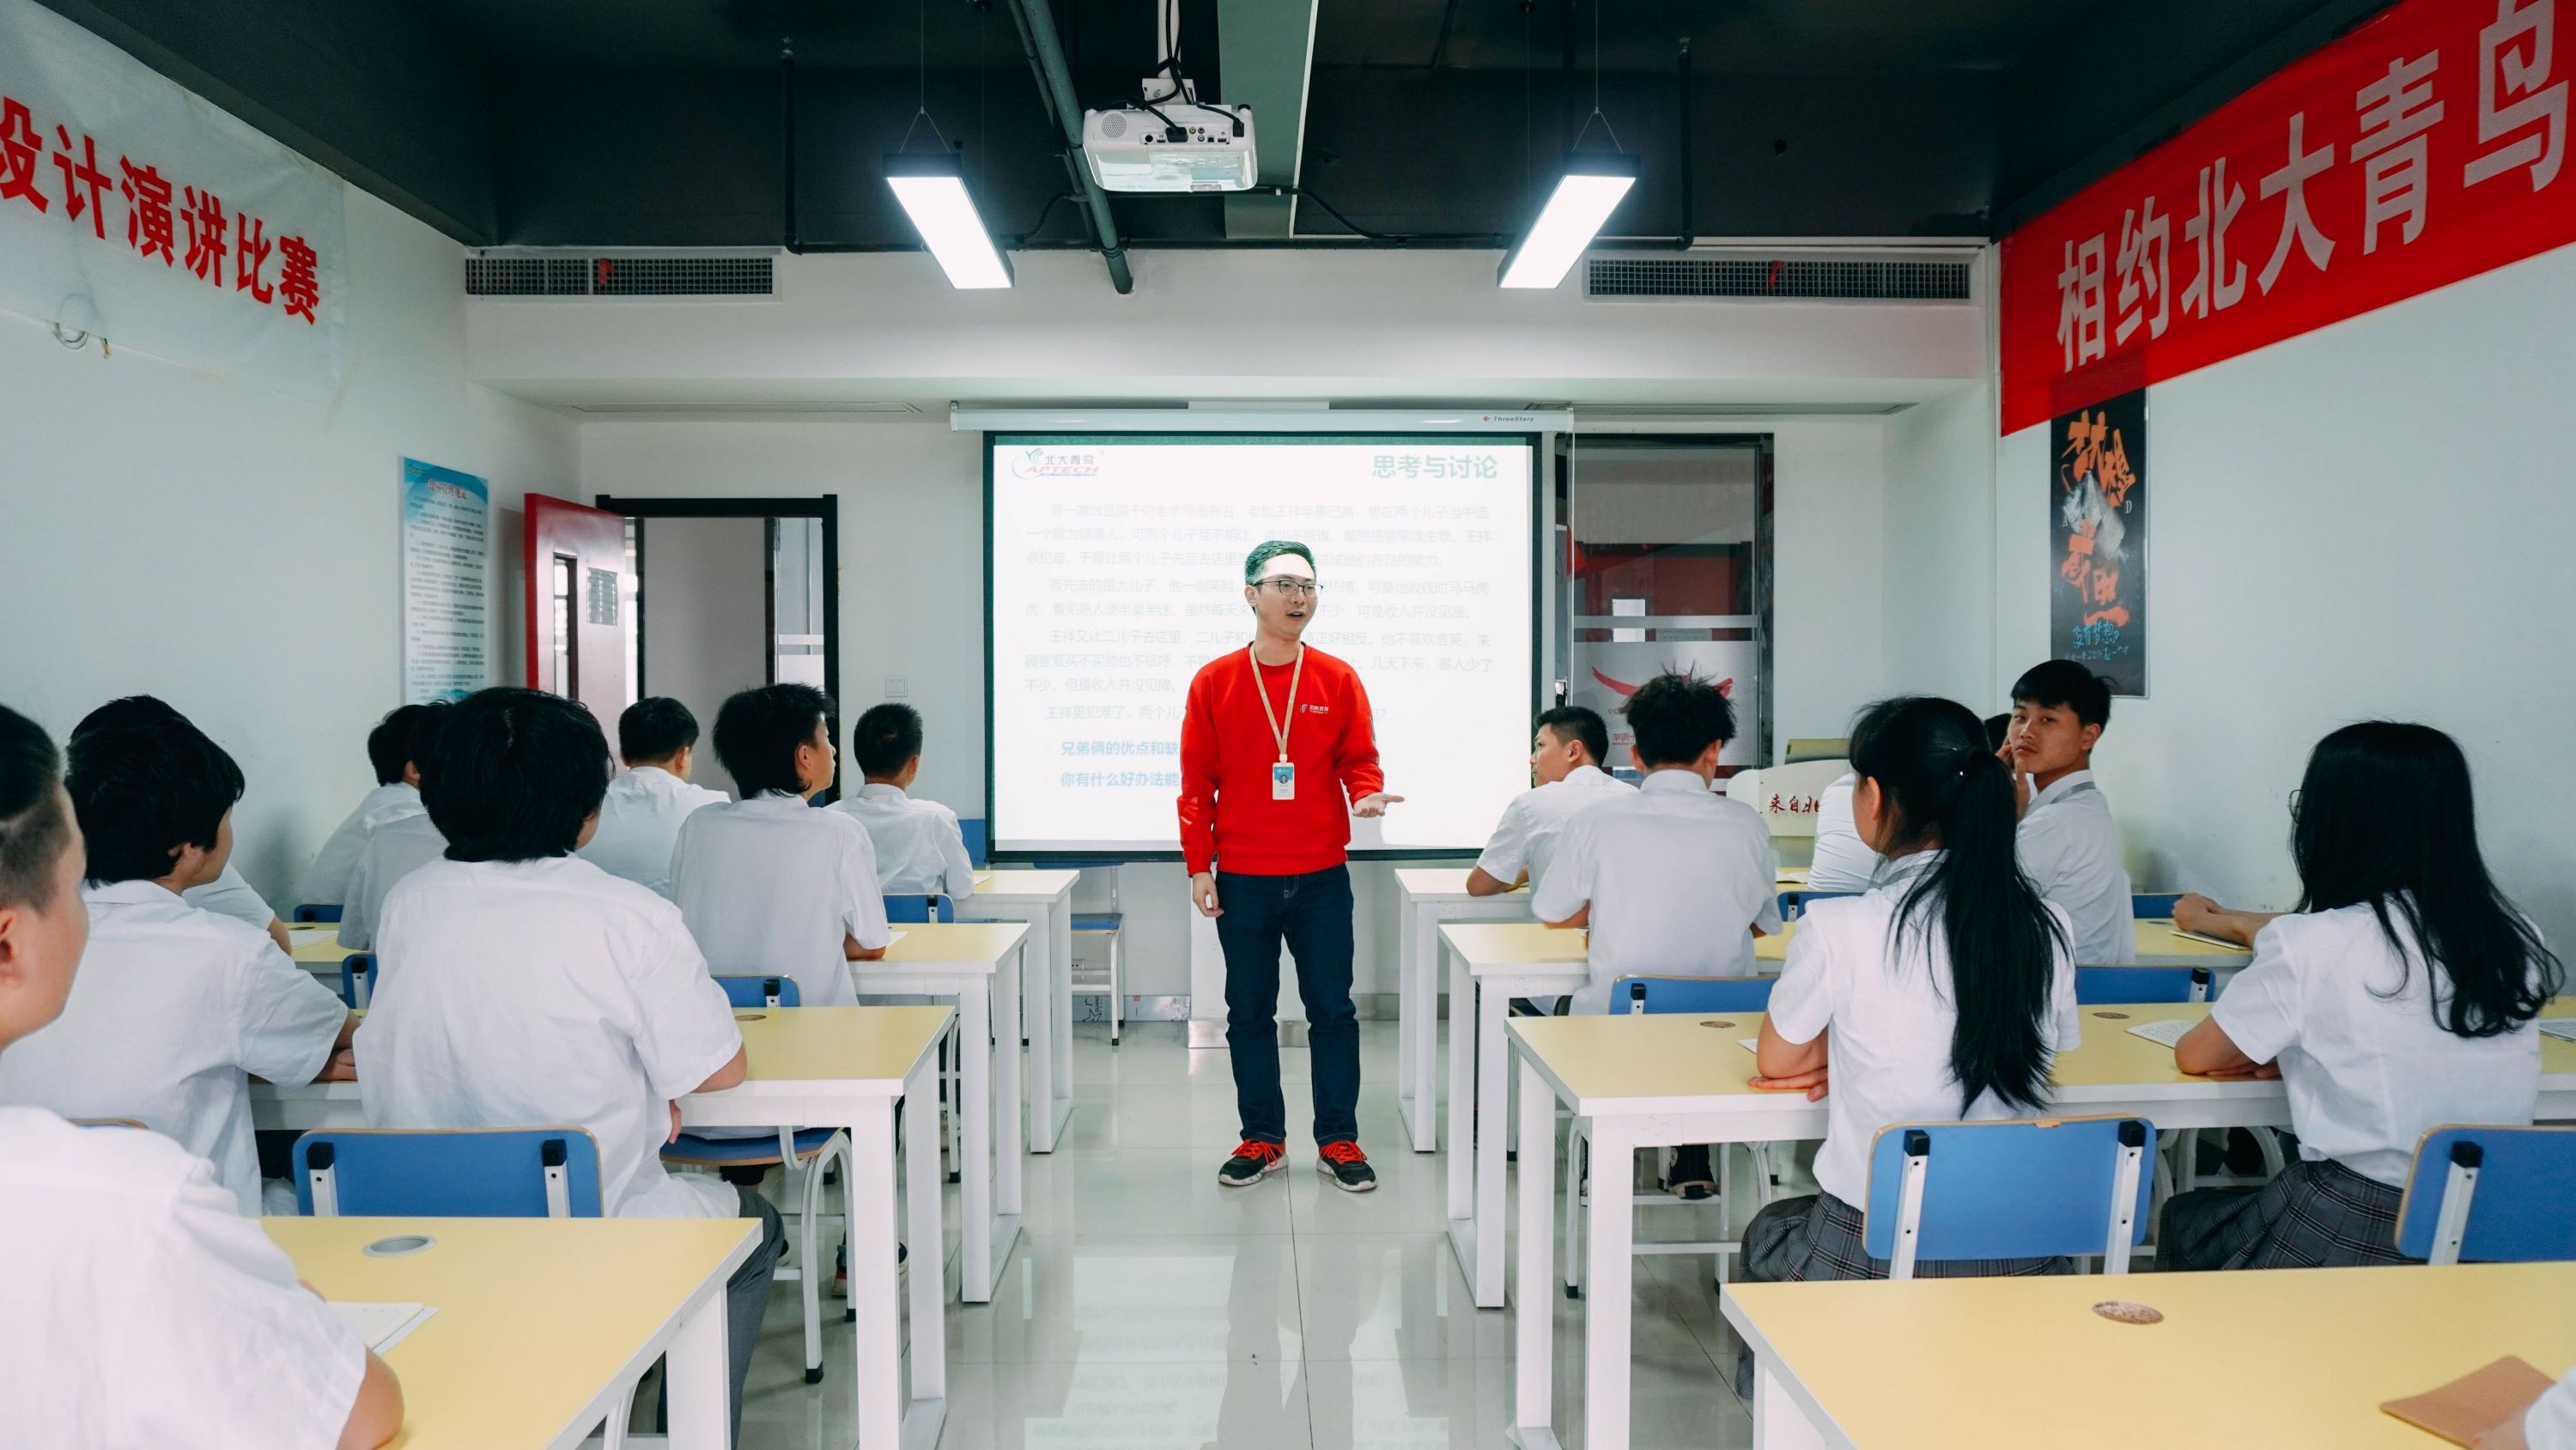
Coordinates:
1347	1166
1253	1161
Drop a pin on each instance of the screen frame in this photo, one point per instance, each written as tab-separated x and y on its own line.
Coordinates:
990	441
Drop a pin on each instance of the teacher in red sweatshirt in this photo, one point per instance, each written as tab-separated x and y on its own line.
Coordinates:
1277	754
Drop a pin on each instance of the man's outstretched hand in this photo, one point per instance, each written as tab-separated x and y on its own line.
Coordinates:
1375	805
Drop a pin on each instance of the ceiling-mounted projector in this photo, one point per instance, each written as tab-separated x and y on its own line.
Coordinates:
1174	145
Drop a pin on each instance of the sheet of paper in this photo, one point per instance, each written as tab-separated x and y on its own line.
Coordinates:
2560	1027
899	934
305	936
2167	1032
381	1326
2216	941
1750	1044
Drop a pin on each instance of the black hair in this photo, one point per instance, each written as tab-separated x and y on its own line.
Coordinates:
1265	552
1997	728
2065	685
389	744
757	732
2384	816
1676	718
146	782
1948	791
886	738
35	829
427	729
518	771
656	727
1581	723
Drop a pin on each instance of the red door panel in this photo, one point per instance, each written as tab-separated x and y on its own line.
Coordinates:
578	619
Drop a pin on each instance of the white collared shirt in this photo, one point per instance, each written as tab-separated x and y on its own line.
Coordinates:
1842	862
773	885
1889	1058
1677	877
327	880
1535	821
2368	1069
639	823
395	850
2550	1423
534	992
921	850
170	1008
141	1309
2071	851
229	895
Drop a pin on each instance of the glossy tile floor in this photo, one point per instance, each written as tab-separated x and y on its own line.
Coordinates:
1146	1308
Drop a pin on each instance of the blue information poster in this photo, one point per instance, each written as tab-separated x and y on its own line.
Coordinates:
446	604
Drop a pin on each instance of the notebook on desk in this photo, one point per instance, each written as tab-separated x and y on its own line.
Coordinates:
381	1326
2165	1033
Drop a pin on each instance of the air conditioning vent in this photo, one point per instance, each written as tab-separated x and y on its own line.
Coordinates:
565	274
1784	277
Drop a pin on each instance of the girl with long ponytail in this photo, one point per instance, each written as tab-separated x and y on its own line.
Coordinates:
1942	993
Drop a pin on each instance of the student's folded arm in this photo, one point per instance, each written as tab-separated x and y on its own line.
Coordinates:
2207	1050
277	933
731	1074
377	1414
1480	884
851	949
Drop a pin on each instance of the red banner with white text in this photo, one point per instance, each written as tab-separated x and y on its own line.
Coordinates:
2426	146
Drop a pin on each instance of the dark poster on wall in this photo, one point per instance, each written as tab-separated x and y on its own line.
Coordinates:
2097	518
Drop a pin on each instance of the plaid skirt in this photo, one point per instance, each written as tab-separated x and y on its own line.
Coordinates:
2317	1214
1821	1237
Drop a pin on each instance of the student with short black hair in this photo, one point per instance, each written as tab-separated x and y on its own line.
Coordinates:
1567	747
639	822
390	747
175	1006
1942	994
921	850
767	883
228	894
399	844
2398	996
2069	844
141	1307
524	985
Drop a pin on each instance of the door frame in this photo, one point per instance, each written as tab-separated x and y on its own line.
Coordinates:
824	507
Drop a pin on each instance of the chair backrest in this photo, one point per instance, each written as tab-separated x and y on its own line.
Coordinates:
1794	902
918	910
1786	795
760	991
313	911
2153	905
448	1173
978	839
357	978
2021	1189
2141	984
1692	994
2490	1195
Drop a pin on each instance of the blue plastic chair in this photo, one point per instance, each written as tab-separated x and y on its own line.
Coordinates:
1693	994
2153	906
761	991
1794	902
2141	984
1105	926
438	1173
313	911
357	978
978	840
2490	1195
919	910
2024	1189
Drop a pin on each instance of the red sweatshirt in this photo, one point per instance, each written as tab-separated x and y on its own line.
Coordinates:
1227	750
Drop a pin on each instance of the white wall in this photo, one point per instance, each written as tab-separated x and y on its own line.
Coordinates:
174	532
1937	591
706	622
2371	520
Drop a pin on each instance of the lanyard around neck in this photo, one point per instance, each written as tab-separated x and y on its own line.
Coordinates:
1278	731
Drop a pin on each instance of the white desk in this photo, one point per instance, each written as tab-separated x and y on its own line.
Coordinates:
1662	1081
1426	899
1044	900
819	1067
978	965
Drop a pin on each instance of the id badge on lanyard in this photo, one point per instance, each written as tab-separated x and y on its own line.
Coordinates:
1283	776
1283	782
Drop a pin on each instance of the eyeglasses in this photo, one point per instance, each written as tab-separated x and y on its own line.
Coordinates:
1287	588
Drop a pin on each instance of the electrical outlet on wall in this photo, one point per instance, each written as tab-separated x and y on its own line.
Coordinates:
896	687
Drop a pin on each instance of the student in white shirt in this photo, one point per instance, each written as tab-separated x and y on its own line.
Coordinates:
395	850
1843	861
527	986
2398	997
920	849
1943	994
174	1005
1673	879
226	895
1567	746
394	748
767	883
139	1307
640	820
2069	845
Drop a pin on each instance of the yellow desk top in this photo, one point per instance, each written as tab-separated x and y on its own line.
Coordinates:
1421	881
317	943
809	1044
1019	885
2305	1355
535	1316
1531	943
951	942
2157	938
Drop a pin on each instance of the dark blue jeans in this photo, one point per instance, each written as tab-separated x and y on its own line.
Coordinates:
1312	915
